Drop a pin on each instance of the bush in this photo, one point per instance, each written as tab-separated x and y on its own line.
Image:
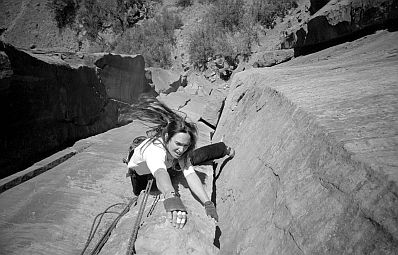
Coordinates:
266	11
154	39
201	45
230	28
220	33
65	11
184	3
227	14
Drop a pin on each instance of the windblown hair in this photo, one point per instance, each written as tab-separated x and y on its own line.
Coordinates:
164	120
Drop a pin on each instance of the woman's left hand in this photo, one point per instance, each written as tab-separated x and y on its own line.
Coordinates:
211	210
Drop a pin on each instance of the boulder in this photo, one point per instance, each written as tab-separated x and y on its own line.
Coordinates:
338	21
271	58
123	76
164	81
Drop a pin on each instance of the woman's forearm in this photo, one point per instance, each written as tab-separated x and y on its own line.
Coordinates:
163	181
197	187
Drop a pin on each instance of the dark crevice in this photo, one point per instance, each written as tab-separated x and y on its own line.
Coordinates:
185	104
240	97
380	228
295	242
207	123
329	185
217	234
221	111
273	171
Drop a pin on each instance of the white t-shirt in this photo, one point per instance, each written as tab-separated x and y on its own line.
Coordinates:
148	158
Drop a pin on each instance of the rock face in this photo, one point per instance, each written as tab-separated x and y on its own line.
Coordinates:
316	164
317	4
31	23
271	58
123	77
338	20
164	81
46	103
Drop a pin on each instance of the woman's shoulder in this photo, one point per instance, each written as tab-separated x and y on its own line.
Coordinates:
153	145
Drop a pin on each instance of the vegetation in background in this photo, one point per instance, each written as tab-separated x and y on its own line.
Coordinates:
184	3
96	16
265	12
65	11
229	28
153	38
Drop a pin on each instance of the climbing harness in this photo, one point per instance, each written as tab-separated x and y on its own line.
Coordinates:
133	237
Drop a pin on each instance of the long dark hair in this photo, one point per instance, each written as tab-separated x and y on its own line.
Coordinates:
164	122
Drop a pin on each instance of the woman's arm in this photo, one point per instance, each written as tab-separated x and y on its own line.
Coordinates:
176	212
163	181
197	187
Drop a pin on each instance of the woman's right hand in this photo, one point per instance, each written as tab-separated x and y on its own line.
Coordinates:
177	218
176	211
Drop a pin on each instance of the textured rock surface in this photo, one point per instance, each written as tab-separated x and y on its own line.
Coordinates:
338	19
164	81
29	22
271	58
123	76
47	103
316	165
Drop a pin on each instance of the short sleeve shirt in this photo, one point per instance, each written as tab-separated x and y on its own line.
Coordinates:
148	157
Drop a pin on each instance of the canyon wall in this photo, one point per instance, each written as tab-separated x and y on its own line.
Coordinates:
49	101
315	170
338	21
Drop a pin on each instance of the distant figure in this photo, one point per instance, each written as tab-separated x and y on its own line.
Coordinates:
170	144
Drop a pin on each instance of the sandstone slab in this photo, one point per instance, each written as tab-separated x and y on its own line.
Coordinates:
316	154
165	81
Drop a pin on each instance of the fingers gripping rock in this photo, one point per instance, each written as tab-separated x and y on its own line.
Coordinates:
211	210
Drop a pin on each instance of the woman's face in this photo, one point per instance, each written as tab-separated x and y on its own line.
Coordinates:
178	144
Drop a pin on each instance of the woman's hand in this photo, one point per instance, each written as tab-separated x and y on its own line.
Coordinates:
177	218
211	210
176	212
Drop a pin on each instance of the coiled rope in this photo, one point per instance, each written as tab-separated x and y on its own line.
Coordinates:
137	224
105	237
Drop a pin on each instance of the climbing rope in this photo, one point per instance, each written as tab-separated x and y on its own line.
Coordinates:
133	237
93	229
105	237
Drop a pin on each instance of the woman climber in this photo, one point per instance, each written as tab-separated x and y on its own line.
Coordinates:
170	145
